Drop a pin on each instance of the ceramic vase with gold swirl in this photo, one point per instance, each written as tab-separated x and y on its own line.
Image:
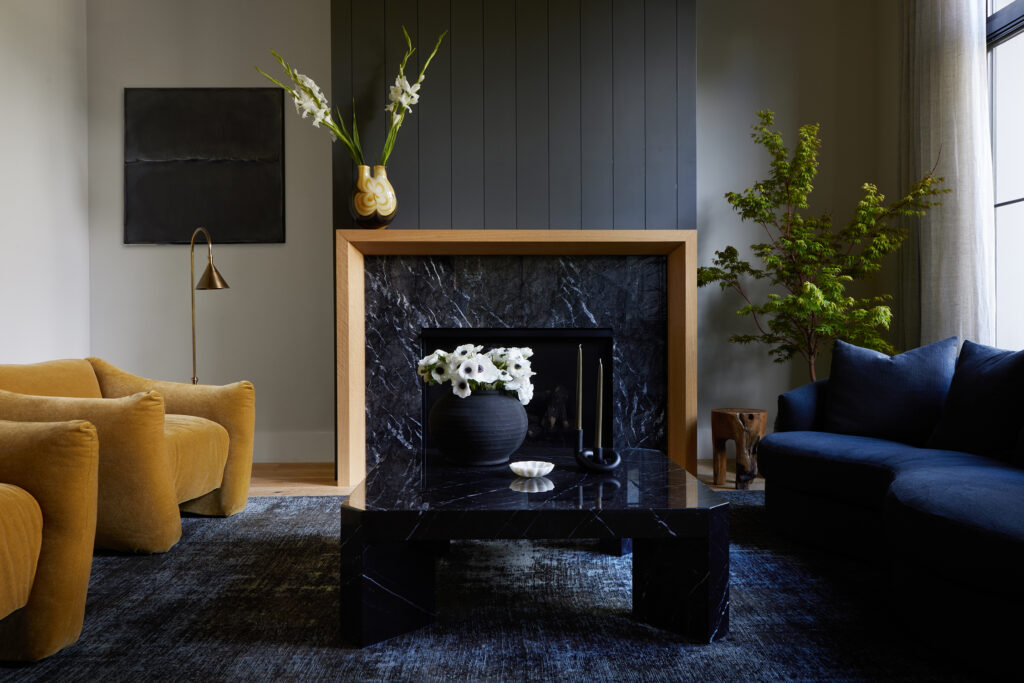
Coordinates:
373	204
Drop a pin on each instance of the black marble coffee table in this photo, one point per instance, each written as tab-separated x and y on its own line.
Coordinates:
401	517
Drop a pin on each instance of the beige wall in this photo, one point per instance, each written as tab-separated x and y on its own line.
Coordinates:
275	325
825	61
44	229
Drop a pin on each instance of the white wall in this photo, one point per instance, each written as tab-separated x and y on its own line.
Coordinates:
275	325
44	230
825	61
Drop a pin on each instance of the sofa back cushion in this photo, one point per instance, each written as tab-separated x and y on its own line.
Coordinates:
72	378
982	411
899	398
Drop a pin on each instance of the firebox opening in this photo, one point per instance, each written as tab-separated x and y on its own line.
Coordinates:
552	411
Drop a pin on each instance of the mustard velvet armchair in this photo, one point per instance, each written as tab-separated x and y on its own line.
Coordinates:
48	493
165	447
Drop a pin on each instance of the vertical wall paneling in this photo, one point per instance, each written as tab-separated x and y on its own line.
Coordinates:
466	44
596	120
500	115
435	118
660	113
532	114
403	165
368	76
564	177
686	113
628	110
340	96
535	114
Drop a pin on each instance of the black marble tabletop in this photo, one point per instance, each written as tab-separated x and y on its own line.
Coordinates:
646	480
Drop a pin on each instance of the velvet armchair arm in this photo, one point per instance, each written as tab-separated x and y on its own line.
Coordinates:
233	406
57	464
137	510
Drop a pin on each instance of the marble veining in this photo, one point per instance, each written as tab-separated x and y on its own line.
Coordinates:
405	294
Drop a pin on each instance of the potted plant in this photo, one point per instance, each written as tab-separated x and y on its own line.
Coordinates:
807	259
482	421
373	203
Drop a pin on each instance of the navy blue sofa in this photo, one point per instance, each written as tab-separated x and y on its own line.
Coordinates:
913	462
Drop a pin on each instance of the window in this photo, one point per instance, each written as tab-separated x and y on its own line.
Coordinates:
1006	64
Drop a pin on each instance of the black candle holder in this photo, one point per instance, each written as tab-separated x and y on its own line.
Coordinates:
597	459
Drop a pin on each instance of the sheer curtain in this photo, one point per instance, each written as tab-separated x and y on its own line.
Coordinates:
947	267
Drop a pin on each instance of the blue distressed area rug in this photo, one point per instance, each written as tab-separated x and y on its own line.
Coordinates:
255	596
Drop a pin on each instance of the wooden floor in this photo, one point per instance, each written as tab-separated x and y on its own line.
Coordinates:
317	479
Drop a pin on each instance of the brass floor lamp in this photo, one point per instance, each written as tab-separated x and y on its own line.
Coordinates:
211	279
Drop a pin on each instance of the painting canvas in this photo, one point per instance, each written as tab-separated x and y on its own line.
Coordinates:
211	157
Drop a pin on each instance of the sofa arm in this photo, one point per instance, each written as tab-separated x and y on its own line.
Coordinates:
233	406
57	463
137	511
799	409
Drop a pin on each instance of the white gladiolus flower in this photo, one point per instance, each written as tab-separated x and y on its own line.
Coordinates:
460	387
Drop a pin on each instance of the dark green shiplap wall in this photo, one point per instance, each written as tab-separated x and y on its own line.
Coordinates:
534	114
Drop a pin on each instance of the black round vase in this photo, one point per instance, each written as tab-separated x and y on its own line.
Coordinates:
482	429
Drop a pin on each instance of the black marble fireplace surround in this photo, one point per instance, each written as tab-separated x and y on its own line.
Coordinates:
407	294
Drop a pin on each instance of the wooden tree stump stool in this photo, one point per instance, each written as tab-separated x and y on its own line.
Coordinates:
746	428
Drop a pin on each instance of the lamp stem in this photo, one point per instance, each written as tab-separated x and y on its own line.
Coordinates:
192	290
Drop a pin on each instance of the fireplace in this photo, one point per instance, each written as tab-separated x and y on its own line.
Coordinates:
369	373
614	303
551	414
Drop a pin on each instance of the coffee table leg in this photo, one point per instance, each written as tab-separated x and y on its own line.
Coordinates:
387	588
617	547
682	584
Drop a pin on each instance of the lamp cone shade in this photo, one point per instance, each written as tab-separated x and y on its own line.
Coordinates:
211	279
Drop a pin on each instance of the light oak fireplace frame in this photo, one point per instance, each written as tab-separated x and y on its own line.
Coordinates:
680	246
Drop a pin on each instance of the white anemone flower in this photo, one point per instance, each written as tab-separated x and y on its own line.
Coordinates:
468	368
486	371
440	373
465	351
519	368
525	392
433	359
460	387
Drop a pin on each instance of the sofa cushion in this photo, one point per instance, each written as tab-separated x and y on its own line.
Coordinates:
71	377
857	469
982	411
965	522
899	398
197	449
21	537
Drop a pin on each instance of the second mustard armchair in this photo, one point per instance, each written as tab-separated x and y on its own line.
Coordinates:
165	447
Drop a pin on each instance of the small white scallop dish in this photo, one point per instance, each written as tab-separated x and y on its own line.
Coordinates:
531	468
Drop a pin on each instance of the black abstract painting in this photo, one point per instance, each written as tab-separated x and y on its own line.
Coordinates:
211	157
